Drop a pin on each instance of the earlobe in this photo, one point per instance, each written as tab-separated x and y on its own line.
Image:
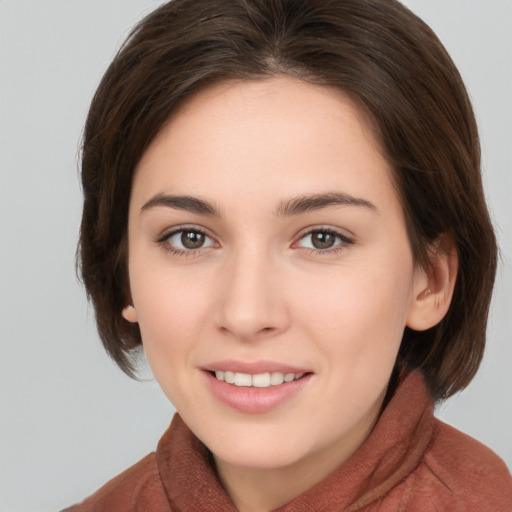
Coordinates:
433	287
130	313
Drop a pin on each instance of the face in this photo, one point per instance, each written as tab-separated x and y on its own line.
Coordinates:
270	271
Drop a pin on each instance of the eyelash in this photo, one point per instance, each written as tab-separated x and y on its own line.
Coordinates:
164	241
343	241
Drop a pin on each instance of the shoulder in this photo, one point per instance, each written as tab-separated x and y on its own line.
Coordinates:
136	489
462	473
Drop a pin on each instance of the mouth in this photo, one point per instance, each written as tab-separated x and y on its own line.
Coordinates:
259	380
255	387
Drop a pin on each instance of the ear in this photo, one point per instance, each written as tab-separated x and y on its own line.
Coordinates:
130	313
433	287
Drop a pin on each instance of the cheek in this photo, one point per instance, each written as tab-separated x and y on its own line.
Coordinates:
171	312
358	326
360	312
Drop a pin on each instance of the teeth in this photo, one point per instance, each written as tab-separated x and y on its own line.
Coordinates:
260	380
276	378
243	379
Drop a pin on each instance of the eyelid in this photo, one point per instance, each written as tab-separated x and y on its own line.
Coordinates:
168	232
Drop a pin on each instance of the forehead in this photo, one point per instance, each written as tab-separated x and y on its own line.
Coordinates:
269	136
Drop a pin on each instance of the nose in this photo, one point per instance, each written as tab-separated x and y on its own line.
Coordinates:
252	301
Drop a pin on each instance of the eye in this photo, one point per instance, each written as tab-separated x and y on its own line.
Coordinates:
324	240
186	240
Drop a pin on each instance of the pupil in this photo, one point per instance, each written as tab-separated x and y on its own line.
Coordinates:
322	240
192	239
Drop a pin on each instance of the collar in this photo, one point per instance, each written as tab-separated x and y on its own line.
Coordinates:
391	452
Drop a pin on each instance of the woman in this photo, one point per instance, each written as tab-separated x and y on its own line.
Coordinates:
283	205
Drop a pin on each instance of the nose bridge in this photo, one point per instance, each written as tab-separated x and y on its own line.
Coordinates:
251	300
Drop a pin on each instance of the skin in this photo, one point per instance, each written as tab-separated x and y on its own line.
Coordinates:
258	289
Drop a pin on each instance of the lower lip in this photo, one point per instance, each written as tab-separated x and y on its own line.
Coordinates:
251	399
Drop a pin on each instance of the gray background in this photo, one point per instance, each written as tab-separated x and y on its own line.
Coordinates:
69	419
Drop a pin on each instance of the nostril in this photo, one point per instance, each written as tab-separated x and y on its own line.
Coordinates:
266	329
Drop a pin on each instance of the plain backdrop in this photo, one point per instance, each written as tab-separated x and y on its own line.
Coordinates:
70	420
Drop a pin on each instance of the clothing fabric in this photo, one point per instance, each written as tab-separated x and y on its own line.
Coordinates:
410	462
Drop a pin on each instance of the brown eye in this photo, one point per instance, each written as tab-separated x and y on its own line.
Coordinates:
192	239
322	239
184	240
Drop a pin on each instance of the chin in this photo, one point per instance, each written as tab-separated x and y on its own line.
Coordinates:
258	450
260	458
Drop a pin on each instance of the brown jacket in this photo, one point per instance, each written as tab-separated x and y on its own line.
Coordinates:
411	462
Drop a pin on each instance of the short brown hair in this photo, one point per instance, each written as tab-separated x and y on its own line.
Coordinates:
375	50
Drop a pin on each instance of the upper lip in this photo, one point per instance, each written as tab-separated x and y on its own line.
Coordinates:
253	367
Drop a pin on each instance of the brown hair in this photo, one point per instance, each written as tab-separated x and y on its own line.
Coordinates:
375	50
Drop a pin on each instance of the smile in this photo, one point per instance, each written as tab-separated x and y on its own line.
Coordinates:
255	387
260	380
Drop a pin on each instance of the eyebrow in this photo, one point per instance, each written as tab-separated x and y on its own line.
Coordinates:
303	204
293	206
187	203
